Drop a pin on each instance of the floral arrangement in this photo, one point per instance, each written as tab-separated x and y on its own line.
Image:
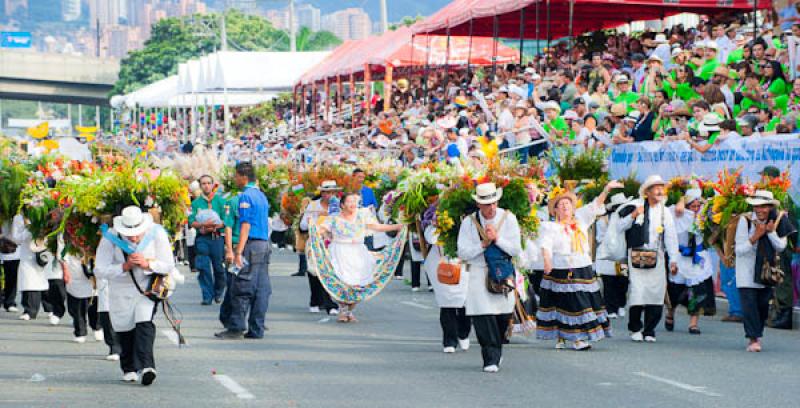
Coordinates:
568	165
779	186
13	178
416	193
725	207
591	190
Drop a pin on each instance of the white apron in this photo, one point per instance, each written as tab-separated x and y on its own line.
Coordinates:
31	276
446	295
647	286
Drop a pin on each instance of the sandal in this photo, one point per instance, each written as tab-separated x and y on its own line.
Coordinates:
351	318
694	330
669	323
342	318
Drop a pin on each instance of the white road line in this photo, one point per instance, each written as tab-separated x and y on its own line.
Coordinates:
683	386
415	304
171	335
233	386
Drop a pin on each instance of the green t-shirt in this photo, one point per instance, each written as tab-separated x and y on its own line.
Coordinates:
201	203
629	99
735	56
231	218
561	125
707	70
777	87
773	124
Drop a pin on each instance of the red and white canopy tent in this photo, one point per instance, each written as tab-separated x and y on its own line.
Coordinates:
526	18
363	59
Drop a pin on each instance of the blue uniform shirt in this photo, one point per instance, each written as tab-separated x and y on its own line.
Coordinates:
368	198
254	210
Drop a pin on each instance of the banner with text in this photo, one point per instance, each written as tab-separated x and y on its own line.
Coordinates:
675	159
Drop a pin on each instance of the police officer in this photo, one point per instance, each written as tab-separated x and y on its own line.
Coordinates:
232	227
250	289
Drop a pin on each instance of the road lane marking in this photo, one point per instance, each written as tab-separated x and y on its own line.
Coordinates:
683	386
415	304
233	386
171	335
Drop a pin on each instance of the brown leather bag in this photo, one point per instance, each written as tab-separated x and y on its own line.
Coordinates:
644	258
448	273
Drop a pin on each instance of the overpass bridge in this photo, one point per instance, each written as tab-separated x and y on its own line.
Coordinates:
57	78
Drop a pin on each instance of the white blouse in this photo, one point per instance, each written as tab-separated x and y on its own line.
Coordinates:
556	239
746	252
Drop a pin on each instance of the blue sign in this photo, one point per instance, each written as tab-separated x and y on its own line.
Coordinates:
15	39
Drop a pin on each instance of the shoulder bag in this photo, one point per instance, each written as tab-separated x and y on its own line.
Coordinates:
500	274
642	258
448	273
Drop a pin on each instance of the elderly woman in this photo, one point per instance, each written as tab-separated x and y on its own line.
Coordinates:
650	236
691	284
490	311
571	307
760	239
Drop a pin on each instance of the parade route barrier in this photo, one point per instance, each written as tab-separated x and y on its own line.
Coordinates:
676	159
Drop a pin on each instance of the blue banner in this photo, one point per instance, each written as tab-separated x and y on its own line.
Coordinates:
676	159
16	39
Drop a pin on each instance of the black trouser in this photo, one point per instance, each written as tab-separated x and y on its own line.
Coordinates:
615	292
80	309
110	337
402	263
302	265
191	253
55	299
755	310
10	289
416	271
278	238
455	325
534	284
491	332
652	315
319	296
137	348
31	302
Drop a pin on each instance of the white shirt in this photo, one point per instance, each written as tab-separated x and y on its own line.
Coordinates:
660	218
746	252
556	240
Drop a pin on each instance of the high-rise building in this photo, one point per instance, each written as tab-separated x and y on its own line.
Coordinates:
247	6
107	12
13	5
348	24
70	10
136	12
278	18
308	16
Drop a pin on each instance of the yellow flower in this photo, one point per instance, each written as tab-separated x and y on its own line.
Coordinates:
659	229
717	218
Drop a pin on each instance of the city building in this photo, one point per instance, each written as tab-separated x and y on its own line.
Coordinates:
247	6
106	12
308	16
12	6
70	10
278	18
348	24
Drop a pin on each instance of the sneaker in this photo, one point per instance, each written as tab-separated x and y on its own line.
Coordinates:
148	376
229	335
79	339
98	335
12	309
561	345
415	289
25	316
130	377
333	312
430	288
581	345
464	344
449	350
54	320
112	357
649	339
313	309
491	369
637	337
621	312
299	273
398	277
252	336
612	315
48	314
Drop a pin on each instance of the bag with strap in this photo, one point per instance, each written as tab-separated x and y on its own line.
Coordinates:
448	273
771	272
643	258
500	275
7	246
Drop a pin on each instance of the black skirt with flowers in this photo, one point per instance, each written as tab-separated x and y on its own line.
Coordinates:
571	307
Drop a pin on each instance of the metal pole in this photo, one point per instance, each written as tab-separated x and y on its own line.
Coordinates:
97	116
384	17
427	69
69	118
469	51
292	30
521	34
447	63
80	115
226	111
755	20
538	50
571	40
548	25
494	47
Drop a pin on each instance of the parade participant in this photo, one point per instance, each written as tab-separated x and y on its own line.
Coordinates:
81	299
450	296
208	211
34	260
691	285
104	320
490	312
250	289
613	274
315	213
134	252
54	300
9	260
571	308
760	239
650	236
232	228
349	258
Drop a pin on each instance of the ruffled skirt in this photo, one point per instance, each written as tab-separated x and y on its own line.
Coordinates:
571	307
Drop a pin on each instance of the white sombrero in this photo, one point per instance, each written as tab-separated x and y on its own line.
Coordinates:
487	193
132	222
762	197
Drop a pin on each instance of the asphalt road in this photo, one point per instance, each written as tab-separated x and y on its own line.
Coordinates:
391	358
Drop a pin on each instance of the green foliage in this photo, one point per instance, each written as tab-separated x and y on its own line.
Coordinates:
255	118
12	181
571	166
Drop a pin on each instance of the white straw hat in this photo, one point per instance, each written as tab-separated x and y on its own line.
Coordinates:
132	222
487	193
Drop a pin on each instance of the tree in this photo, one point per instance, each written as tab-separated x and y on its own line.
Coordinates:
177	40
308	40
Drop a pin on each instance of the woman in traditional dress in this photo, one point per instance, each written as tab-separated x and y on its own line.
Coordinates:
571	307
351	261
315	212
691	286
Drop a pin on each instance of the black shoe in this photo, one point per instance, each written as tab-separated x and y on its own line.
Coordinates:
148	376
694	330
229	335
300	273
250	335
217	300
669	323
782	320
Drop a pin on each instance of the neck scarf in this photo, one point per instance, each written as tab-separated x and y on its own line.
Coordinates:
577	236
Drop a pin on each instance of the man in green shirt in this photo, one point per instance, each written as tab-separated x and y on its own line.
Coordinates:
232	225
626	96
207	217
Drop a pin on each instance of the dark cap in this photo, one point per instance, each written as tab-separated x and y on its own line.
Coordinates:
578	101
771	171
639	57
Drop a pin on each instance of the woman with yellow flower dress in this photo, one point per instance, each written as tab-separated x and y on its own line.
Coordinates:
571	307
